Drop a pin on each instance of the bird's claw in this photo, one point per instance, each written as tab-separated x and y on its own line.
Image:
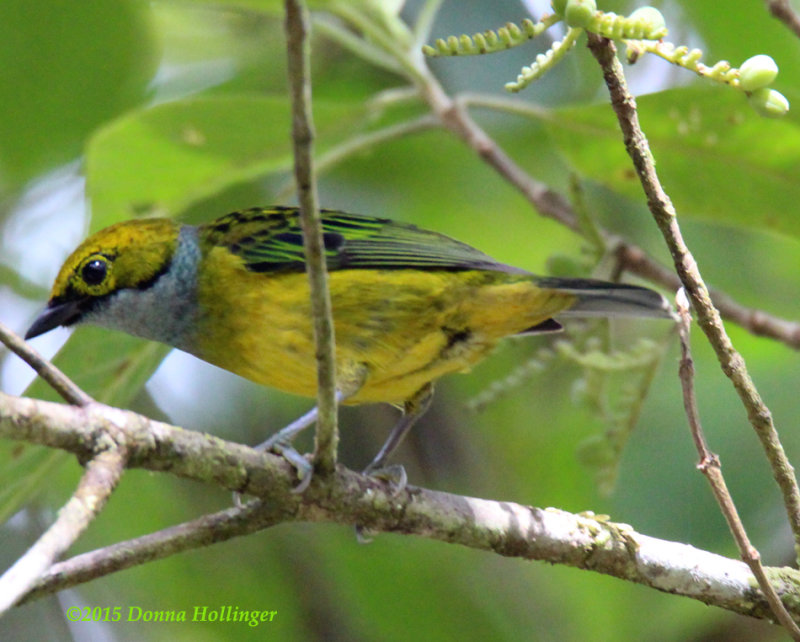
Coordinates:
362	535
304	468
395	475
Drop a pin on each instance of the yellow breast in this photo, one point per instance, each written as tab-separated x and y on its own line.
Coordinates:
395	329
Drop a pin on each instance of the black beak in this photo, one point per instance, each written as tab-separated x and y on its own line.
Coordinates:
55	314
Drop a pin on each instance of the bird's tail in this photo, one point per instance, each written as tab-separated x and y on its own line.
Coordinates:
605	299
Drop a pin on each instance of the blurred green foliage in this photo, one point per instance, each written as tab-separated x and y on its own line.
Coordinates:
180	109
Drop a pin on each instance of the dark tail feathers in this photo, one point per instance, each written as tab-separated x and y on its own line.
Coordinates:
602	298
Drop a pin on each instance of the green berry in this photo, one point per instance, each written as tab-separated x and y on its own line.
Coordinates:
769	103
757	72
654	25
559	6
579	13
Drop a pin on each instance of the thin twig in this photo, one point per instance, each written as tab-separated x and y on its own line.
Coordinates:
456	119
101	477
707	315
782	10
425	18
200	532
710	466
327	436
62	384
631	257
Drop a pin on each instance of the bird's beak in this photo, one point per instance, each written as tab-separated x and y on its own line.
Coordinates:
54	315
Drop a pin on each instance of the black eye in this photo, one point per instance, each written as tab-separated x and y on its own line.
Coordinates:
94	272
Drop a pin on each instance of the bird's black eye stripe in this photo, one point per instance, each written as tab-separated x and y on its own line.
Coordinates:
94	272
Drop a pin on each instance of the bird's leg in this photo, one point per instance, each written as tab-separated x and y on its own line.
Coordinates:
351	379
285	436
413	409
281	444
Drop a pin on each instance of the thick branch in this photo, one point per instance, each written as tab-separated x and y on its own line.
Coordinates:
349	498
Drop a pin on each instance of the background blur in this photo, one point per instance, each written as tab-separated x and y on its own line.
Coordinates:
110	110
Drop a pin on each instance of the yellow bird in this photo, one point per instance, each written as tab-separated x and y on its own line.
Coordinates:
409	305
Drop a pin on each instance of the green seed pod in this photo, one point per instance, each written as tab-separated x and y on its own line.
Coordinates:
579	13
653	24
768	102
757	72
559	6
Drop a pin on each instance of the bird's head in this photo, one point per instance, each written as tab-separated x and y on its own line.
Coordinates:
128	256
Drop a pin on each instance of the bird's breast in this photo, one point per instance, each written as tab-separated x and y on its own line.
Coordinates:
396	330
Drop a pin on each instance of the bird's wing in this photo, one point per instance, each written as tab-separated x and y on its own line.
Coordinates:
270	239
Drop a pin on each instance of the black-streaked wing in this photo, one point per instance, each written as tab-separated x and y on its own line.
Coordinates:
271	240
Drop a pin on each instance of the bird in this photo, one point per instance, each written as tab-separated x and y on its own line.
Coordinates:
409	305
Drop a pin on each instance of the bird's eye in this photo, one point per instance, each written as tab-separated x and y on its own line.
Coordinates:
94	272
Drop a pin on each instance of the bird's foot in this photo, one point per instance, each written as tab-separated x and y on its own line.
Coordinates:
395	475
304	468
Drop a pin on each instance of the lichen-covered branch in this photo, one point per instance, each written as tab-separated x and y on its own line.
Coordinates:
508	529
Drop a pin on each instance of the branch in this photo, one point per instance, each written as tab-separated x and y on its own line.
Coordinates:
204	531
327	436
62	384
98	482
782	10
710	466
707	315
102	474
346	497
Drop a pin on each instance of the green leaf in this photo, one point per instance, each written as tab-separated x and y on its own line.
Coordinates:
261	6
63	71
276	6
717	159
164	159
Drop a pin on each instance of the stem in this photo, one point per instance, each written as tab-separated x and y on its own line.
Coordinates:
60	382
782	10
327	435
710	466
203	531
707	315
